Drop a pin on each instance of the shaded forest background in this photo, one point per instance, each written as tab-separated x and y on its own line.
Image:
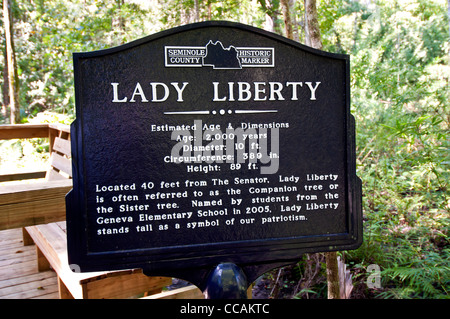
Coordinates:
400	69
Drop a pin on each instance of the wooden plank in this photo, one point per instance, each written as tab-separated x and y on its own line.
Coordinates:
61	163
27	240
57	130
34	212
52	242
36	276
62	225
23	281
13	257
53	175
31	204
62	146
64	293
26	268
17	191
42	262
189	292
10	236
32	291
18	273
22	176
51	139
60	127
125	286
46	241
53	295
13	131
29	286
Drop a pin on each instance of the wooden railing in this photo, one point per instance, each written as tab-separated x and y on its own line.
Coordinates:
41	207
21	131
26	204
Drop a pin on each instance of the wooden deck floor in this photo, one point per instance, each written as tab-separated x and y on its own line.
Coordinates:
19	277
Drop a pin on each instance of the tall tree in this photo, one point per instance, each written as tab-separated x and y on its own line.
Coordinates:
313	31
292	5
120	19
271	9
290	20
285	8
312	23
10	63
5	87
448	14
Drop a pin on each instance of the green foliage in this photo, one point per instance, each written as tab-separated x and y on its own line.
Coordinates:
18	155
400	74
400	98
178	12
48	32
425	275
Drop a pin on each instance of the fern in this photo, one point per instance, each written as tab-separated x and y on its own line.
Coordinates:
421	279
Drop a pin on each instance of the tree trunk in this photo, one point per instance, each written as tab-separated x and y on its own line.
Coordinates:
10	62
209	9
448	14
296	36
313	28
5	88
334	291
307	41
270	7
287	19
120	19
316	42
197	11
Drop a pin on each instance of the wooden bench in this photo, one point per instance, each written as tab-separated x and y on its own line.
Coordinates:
189	292
39	209
51	246
43	201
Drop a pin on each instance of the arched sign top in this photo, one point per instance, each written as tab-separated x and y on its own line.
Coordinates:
227	25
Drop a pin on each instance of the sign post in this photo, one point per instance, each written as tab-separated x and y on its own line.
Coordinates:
212	146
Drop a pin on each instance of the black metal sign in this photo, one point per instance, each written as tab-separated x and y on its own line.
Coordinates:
210	143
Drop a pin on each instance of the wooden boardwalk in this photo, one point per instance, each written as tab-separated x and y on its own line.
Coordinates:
19	277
